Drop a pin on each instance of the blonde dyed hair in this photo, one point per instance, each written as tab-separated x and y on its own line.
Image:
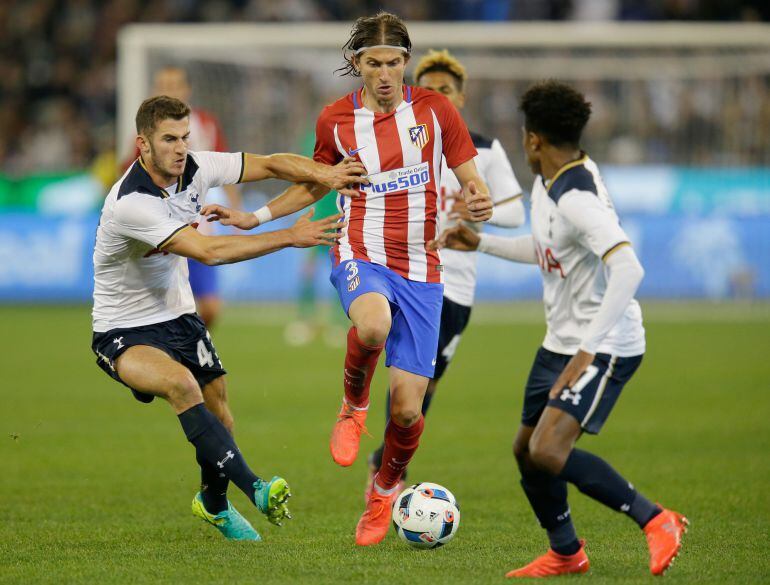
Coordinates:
441	61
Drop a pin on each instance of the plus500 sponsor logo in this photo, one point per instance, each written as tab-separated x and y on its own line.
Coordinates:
398	179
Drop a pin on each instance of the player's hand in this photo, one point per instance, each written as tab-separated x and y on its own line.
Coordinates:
459	237
460	210
227	216
306	233
478	202
572	372
343	176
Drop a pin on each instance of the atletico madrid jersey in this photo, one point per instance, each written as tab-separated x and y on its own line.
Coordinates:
394	217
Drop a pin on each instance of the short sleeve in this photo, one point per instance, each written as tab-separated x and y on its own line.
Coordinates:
145	218
219	168
456	140
597	224
499	175
325	148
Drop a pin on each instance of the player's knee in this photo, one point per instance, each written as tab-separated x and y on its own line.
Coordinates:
184	389
520	449
546	456
373	330
405	416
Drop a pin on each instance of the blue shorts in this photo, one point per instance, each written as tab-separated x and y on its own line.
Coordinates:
415	309
203	279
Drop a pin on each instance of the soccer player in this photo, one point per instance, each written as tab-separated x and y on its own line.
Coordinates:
146	333
442	72
388	281
205	134
594	340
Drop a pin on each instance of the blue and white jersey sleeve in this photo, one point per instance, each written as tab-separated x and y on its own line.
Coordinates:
218	168
145	218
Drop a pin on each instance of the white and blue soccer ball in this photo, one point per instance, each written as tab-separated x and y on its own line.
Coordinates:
426	515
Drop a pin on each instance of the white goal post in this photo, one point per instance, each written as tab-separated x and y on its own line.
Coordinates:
267	76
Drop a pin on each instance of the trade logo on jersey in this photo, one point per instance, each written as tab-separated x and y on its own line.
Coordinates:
398	179
419	135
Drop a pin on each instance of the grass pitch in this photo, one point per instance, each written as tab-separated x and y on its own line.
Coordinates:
96	488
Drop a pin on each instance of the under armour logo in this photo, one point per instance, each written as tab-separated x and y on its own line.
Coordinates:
229	455
574	397
119	341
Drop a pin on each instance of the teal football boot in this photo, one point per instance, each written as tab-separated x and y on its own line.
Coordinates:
271	497
229	522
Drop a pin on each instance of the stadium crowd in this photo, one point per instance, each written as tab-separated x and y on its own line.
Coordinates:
58	73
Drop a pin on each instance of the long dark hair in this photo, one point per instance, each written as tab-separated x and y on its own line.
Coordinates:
383	28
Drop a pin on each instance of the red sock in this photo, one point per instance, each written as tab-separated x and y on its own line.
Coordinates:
360	361
400	445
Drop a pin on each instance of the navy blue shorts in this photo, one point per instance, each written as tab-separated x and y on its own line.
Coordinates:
590	400
415	310
185	339
203	279
454	320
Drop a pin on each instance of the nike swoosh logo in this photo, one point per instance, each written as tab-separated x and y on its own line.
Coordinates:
352	152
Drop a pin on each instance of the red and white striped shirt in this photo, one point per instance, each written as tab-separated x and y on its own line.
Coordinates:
395	216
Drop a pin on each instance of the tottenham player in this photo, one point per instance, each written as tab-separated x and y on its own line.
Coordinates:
205	134
594	341
442	72
146	333
388	281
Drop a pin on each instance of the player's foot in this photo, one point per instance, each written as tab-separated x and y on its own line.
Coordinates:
373	469
552	564
230	523
271	497
664	539
346	434
375	521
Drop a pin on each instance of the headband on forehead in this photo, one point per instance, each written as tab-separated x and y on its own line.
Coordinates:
362	49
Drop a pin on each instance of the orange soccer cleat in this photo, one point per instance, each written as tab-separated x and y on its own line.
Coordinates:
346	434
664	538
375	521
552	564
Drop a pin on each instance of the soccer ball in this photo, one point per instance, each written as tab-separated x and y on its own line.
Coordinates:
426	515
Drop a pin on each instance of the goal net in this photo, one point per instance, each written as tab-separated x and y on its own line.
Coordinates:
680	94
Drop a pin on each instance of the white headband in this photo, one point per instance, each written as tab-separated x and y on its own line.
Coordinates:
362	49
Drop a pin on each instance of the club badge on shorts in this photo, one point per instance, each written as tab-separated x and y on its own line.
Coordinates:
353	284
419	135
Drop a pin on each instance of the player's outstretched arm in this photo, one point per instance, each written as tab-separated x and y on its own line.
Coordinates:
300	169
475	191
294	198
462	238
216	250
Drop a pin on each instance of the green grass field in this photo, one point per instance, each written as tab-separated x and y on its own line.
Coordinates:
96	488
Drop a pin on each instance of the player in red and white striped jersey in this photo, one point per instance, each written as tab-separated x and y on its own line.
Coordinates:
388	280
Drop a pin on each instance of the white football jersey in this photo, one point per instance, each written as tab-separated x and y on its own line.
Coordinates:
135	282
575	227
495	169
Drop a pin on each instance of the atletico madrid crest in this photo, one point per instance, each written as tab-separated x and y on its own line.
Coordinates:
419	135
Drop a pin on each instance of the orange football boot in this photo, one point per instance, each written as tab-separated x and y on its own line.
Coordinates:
346	434
664	538
370	480
375	521
552	564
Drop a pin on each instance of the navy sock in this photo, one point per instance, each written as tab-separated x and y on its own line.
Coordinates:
215	445
597	479
548	497
426	402
214	485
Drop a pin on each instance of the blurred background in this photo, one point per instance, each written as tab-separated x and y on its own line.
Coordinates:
681	124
